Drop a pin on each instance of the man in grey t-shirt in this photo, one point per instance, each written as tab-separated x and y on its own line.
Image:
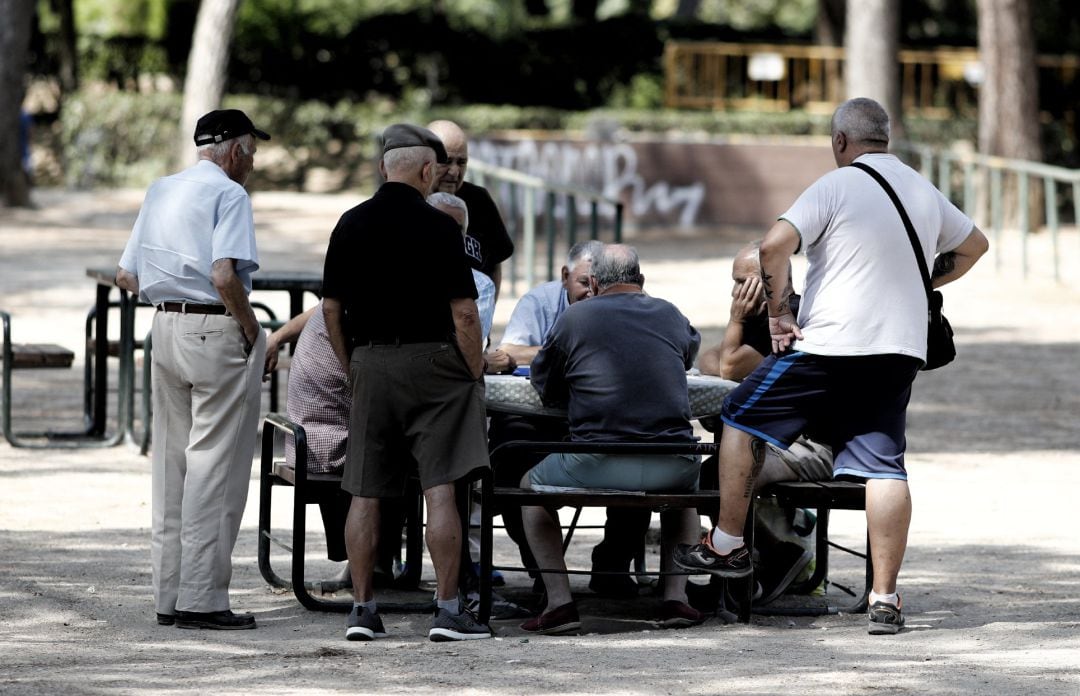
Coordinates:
532	320
619	363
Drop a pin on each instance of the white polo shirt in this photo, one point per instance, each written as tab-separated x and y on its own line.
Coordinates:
863	293
187	222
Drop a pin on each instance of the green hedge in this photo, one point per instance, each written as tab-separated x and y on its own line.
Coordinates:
128	139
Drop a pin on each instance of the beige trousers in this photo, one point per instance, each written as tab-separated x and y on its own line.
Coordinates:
206	409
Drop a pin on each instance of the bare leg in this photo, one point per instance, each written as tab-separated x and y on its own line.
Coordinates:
676	527
545	539
361	543
741	456
888	516
444	538
544	534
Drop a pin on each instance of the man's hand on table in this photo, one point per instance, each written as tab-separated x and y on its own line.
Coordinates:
498	362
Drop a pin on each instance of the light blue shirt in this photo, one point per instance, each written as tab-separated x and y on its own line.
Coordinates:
535	314
187	222
485	302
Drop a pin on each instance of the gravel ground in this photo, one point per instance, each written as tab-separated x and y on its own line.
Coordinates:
991	582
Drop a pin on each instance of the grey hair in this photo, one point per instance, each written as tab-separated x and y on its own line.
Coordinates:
582	252
215	152
449	200
407	160
616	263
862	120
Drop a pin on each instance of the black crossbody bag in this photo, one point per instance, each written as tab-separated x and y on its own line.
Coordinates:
940	349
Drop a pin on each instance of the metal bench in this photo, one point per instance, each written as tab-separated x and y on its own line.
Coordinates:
822	497
308	489
492	498
21	356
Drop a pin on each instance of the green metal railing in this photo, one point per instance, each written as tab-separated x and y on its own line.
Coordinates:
961	175
535	209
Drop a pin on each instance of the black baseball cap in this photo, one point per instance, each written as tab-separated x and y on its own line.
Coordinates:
225	124
408	135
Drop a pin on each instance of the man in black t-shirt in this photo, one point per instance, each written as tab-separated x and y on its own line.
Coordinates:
412	351
487	243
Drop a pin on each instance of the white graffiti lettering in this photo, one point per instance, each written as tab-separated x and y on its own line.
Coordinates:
611	168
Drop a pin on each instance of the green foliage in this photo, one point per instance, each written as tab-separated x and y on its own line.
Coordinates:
126	139
117	139
645	91
105	18
792	16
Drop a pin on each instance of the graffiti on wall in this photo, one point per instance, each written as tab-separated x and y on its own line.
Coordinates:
611	168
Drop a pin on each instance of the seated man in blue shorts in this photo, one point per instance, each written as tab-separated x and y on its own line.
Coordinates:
600	359
783	545
859	341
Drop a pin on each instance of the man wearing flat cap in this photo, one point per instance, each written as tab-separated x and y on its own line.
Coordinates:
406	330
191	255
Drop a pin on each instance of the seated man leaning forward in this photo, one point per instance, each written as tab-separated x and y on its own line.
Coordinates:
600	358
783	553
530	324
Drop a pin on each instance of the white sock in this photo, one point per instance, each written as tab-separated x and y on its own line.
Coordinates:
893	599
723	542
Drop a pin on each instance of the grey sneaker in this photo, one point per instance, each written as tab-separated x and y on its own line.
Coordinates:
464	626
362	624
885	619
705	558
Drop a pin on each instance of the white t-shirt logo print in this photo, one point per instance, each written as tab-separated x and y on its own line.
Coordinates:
472	248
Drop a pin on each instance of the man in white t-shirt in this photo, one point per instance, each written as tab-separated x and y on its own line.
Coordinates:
857	345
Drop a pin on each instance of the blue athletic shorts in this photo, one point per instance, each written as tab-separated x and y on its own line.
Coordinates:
857	405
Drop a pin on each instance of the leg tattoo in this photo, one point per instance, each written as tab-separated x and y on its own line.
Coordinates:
757	452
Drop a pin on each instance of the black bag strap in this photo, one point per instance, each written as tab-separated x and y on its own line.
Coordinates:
907	225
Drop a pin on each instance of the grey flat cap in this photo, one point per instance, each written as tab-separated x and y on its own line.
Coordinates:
408	135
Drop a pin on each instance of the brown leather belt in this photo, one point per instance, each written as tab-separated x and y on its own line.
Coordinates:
190	308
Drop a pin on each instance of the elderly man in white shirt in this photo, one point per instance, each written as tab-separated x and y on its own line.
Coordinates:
191	254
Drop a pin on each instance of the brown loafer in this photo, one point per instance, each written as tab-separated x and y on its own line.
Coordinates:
676	614
559	620
217	620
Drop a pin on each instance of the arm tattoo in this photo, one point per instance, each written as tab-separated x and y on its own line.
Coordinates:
944	264
766	282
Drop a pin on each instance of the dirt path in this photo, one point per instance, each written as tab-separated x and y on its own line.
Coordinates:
991	582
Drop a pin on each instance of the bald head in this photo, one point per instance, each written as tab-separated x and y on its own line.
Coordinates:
747	266
451	176
747	261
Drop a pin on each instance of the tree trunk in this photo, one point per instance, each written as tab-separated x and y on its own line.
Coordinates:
537	8
871	68
207	67
829	26
687	9
1009	94
14	44
69	55
584	10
